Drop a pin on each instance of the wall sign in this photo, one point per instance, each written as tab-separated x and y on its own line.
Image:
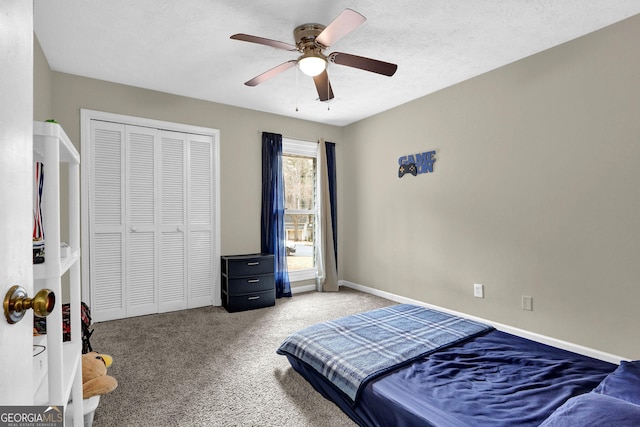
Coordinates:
416	163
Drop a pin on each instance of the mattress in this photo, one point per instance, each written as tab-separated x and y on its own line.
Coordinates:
350	350
492	379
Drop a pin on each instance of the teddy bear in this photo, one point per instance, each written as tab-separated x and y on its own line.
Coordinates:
95	380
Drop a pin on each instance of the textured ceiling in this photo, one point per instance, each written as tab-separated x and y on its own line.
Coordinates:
183	47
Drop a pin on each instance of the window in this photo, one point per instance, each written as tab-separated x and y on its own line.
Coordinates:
299	166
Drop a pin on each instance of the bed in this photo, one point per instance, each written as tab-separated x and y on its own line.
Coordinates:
406	365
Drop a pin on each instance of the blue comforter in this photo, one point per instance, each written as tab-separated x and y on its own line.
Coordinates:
352	350
494	380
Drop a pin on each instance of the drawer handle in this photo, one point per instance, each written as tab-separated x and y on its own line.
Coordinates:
254	263
252	298
253	281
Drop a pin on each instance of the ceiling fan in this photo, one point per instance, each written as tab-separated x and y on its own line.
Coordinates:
311	41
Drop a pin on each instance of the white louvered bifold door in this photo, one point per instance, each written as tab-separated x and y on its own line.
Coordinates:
141	260
200	221
173	277
151	220
107	221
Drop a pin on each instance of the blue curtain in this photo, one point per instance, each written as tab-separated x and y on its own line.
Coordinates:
331	171
272	240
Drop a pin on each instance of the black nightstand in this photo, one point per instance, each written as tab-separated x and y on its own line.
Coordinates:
247	281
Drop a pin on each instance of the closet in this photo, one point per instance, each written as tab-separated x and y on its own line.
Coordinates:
152	216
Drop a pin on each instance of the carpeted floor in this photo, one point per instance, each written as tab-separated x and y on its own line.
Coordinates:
207	367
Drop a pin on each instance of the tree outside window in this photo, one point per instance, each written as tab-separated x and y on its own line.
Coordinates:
300	210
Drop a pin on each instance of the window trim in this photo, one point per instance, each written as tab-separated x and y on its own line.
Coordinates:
297	147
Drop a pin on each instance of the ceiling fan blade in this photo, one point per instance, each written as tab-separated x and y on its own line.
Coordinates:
346	22
262	40
367	64
271	73
323	86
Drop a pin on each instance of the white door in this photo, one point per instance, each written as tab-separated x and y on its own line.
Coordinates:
141	236
107	225
153	220
200	226
173	212
16	142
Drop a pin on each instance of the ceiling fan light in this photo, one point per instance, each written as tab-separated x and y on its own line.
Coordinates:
312	64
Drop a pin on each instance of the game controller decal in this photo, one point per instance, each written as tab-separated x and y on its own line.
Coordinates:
415	164
407	168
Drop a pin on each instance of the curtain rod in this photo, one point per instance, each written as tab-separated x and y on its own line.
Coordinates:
291	137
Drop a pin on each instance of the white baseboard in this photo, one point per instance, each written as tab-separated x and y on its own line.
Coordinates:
576	348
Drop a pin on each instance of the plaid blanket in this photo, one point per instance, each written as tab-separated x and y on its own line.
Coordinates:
353	350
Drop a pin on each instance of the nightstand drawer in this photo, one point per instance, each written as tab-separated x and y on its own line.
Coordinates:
247	265
251	301
245	285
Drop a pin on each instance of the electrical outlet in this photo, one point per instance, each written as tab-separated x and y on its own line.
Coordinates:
478	290
527	303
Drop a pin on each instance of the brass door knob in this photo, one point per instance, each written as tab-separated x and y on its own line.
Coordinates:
16	303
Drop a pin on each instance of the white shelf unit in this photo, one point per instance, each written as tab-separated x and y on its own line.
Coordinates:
63	377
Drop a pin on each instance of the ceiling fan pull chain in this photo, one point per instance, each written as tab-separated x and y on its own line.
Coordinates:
296	89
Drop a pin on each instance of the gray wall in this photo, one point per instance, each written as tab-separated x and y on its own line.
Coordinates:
534	192
42	84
